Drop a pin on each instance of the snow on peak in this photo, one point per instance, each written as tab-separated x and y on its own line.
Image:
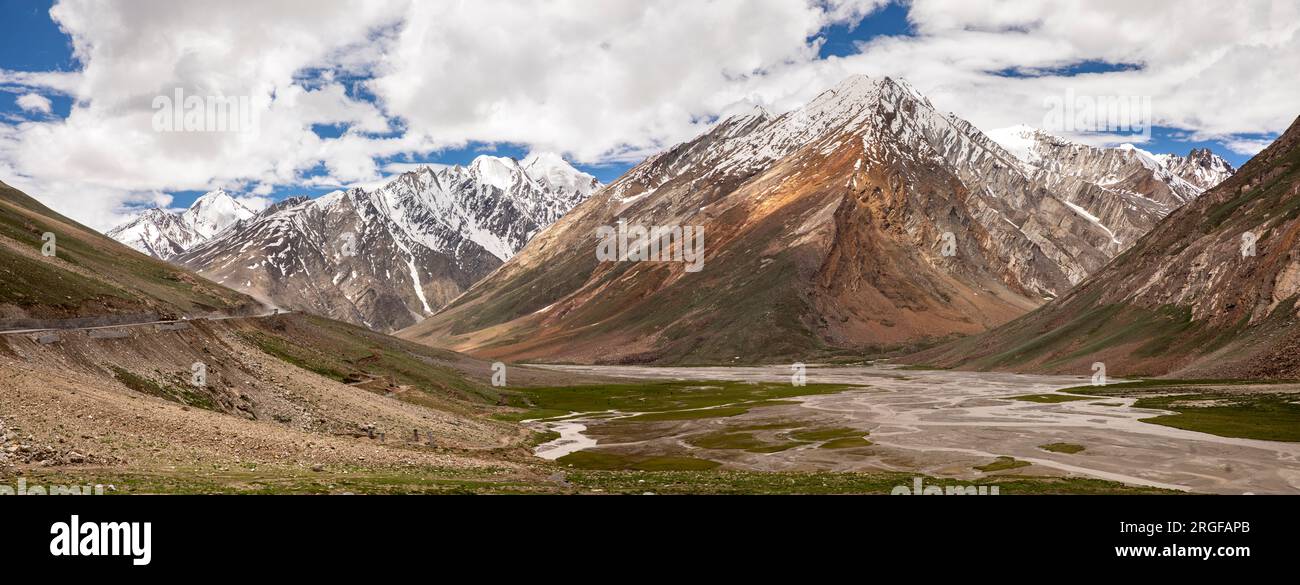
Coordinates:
1201	167
1020	141
163	234
497	171
1148	159
759	112
1025	142
215	211
558	175
1187	177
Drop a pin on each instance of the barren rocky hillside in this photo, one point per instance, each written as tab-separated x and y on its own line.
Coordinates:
1211	291
865	219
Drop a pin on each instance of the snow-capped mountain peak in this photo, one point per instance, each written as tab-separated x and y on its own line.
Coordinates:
156	232
1201	167
1022	141
1121	167
499	172
164	234
215	211
413	243
554	172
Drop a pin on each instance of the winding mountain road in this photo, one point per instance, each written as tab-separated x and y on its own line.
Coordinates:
271	313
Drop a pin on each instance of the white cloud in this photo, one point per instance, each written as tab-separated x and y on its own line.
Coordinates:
594	79
254	202
1247	146
397	168
1207	69
35	102
58	81
599	81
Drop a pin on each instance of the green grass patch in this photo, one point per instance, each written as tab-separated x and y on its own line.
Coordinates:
827	434
1002	464
541	437
845	443
603	460
1269	417
30	282
724	440
1198	407
529	415
745	441
776	426
298	356
1069	448
665	401
1128	388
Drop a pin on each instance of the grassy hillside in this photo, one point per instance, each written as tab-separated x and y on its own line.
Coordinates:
91	274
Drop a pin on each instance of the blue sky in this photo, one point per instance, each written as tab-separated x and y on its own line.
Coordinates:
30	41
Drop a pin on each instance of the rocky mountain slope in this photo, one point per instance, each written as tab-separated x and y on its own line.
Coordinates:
287	402
865	218
389	257
1201	167
1210	292
89	278
164	234
1126	189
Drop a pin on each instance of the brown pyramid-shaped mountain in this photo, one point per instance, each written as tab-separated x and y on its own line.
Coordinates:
1210	292
825	230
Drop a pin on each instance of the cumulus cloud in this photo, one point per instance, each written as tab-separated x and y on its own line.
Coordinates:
598	81
1247	146
254	202
1207	68
594	79
35	102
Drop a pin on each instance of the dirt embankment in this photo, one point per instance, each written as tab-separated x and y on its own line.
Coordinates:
129	401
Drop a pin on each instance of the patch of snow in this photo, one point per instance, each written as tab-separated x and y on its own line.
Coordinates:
1094	219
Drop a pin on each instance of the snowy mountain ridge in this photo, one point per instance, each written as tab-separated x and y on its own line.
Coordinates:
389	256
164	234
